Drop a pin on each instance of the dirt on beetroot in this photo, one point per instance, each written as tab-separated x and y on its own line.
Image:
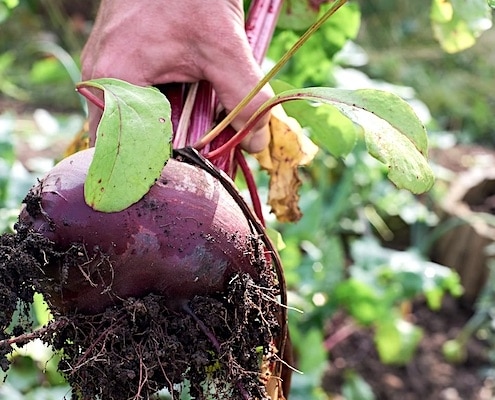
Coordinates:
134	349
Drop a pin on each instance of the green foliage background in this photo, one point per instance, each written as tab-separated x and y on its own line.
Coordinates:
338	256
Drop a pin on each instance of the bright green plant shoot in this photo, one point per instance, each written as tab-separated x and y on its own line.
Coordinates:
132	146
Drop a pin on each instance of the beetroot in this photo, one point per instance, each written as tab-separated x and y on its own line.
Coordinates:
187	236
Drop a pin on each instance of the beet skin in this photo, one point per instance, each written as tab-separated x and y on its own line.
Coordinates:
187	236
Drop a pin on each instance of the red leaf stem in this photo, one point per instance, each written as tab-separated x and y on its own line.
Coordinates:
260	25
340	335
203	113
251	184
90	96
226	160
175	93
235	140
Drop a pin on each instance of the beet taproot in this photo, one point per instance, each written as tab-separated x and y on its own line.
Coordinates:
187	236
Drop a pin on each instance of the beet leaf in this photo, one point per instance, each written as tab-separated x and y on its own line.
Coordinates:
133	143
393	133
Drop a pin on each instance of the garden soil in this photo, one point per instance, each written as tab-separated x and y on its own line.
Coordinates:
136	348
428	376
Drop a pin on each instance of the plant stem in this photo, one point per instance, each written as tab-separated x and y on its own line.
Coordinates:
242	133
251	184
340	335
260	25
203	112
91	97
181	133
270	75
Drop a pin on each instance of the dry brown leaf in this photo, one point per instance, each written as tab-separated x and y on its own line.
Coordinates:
274	390
272	381
289	149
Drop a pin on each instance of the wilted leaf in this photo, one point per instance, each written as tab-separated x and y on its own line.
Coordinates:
394	134
272	381
328	127
79	142
133	143
288	150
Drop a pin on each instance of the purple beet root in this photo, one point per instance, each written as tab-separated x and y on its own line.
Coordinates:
187	236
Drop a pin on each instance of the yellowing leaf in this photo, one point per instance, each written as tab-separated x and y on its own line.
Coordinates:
80	141
456	24
441	11
288	150
393	132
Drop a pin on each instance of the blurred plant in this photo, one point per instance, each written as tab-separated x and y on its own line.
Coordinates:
335	259
356	388
398	36
38	54
481	325
346	209
348	206
6	7
8	86
14	179
55	67
312	64
381	281
457	24
34	373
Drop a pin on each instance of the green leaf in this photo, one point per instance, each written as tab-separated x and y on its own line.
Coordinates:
311	64
41	310
132	146
11	3
441	11
315	356
48	70
356	388
454	351
297	15
276	238
6	7
397	340
394	135
401	275
328	127
361	301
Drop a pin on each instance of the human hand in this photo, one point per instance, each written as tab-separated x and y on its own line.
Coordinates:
151	42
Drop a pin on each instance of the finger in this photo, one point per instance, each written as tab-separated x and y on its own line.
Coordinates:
231	91
233	76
